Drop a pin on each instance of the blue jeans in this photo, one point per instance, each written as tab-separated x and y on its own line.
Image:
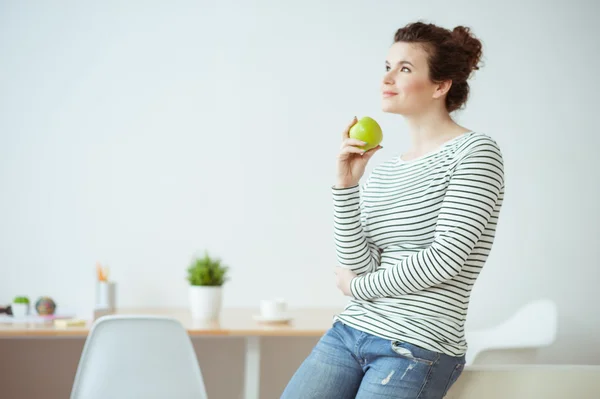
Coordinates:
348	363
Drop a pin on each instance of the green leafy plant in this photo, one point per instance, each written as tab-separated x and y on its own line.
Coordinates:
207	271
21	299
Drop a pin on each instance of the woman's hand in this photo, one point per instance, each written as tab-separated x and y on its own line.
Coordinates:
351	160
343	278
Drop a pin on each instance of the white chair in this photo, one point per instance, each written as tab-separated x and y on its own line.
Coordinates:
532	326
127	357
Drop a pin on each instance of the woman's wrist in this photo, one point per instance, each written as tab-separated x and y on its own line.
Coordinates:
345	184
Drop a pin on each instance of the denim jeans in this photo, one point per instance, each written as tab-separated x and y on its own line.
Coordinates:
348	363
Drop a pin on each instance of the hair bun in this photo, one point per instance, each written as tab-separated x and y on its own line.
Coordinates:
470	44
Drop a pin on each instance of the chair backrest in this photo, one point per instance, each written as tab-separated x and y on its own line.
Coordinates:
532	326
138	357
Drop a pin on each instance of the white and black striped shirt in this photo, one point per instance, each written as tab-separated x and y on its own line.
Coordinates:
418	233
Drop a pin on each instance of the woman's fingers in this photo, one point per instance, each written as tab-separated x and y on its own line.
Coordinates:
346	131
351	150
374	150
354	142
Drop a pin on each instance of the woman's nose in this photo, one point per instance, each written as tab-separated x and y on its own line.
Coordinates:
387	78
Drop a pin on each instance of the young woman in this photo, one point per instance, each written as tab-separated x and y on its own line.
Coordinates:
413	238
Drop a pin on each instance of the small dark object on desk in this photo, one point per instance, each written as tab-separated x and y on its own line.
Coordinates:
7	310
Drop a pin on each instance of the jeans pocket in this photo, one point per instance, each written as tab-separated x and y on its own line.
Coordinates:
415	353
458	369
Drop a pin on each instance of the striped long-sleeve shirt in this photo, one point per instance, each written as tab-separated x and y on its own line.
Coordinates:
417	233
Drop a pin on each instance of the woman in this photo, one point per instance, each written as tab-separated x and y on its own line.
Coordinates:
413	239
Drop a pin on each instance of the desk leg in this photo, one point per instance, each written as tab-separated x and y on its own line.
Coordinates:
252	371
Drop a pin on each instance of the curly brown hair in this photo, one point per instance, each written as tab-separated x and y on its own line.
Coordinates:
452	55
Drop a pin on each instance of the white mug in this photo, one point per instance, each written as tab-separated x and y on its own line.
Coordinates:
106	293
273	308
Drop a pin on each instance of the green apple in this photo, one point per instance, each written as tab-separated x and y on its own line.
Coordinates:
367	130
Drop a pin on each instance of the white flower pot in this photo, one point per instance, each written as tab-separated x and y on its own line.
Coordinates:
20	309
205	301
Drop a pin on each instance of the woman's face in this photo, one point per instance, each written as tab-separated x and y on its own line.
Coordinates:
406	88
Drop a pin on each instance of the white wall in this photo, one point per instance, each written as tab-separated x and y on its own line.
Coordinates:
137	134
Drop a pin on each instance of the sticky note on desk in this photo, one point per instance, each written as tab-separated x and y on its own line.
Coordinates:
63	323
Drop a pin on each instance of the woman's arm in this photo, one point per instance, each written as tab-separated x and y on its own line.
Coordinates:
473	192
352	248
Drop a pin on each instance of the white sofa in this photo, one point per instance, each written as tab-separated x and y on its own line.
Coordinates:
527	382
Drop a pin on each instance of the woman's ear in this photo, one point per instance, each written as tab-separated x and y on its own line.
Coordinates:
442	88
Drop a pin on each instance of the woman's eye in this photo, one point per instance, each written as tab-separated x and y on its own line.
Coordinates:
387	68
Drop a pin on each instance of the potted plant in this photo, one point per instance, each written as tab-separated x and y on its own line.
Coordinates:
206	277
20	306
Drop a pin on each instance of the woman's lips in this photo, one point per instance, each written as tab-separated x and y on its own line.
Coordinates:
389	94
